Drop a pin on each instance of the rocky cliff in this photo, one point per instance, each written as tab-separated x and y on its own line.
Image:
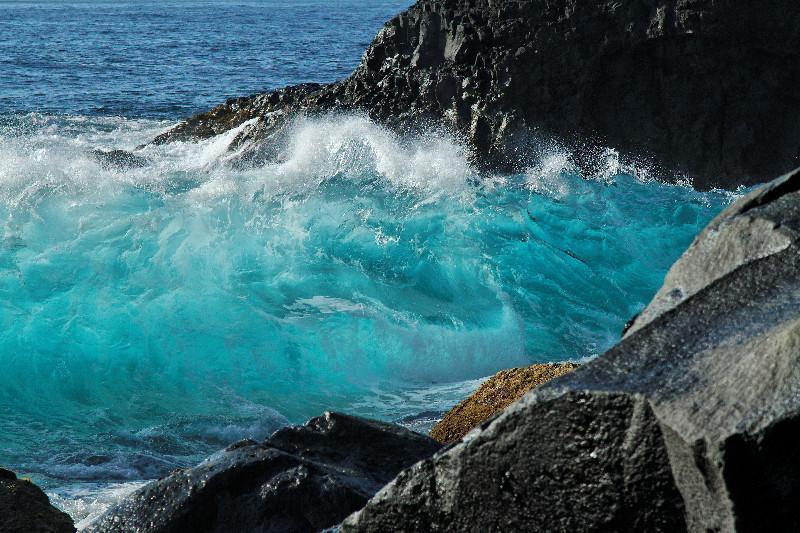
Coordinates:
689	423
701	87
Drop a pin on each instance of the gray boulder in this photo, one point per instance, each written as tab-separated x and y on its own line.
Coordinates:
304	478
691	422
705	88
24	508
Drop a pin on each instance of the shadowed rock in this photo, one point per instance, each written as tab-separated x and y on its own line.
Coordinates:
24	508
494	395
302	478
689	423
696	87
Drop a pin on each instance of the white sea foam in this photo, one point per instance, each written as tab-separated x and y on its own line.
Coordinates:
355	146
86	502
40	157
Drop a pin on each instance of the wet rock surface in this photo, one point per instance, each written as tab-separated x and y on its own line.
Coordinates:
494	395
304	478
24	508
689	423
704	88
118	159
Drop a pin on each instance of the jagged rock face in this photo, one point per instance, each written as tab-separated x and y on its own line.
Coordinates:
701	87
303	478
689	423
24	508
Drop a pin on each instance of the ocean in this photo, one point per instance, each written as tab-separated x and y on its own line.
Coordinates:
153	315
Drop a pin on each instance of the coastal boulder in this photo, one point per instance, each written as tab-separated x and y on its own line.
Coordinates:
24	508
690	423
304	478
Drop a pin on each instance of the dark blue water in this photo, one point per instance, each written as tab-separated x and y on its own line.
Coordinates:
151	316
173	58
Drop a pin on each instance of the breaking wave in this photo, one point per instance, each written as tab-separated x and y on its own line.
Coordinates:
155	310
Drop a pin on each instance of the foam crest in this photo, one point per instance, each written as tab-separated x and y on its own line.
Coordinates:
355	147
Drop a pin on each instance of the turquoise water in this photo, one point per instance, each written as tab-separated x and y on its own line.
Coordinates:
151	316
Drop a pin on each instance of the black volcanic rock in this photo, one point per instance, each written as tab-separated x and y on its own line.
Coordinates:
24	508
690	423
703	87
304	478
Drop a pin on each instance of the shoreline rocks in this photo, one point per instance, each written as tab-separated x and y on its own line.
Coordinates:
689	423
704	89
25	508
304	478
494	395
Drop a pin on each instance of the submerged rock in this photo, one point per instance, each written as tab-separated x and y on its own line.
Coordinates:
118	159
24	508
705	88
690	423
494	395
304	478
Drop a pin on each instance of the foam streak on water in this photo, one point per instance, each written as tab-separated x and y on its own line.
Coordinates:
151	315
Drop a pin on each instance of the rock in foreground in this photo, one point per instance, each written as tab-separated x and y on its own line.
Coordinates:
304	478
690	423
494	395
24	508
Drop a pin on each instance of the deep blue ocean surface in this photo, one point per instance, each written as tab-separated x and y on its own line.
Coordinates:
151	316
173	58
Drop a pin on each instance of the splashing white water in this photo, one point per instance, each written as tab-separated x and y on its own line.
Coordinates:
86	502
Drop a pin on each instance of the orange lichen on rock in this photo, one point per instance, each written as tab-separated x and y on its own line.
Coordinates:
497	393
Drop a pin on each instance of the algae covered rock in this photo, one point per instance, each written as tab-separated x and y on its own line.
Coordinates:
494	395
24	508
689	423
304	478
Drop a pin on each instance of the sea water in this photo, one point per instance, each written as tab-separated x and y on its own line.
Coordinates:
150	316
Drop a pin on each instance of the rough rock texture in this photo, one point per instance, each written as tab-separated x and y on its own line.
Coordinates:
705	87
304	478
690	423
118	159
24	508
494	395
